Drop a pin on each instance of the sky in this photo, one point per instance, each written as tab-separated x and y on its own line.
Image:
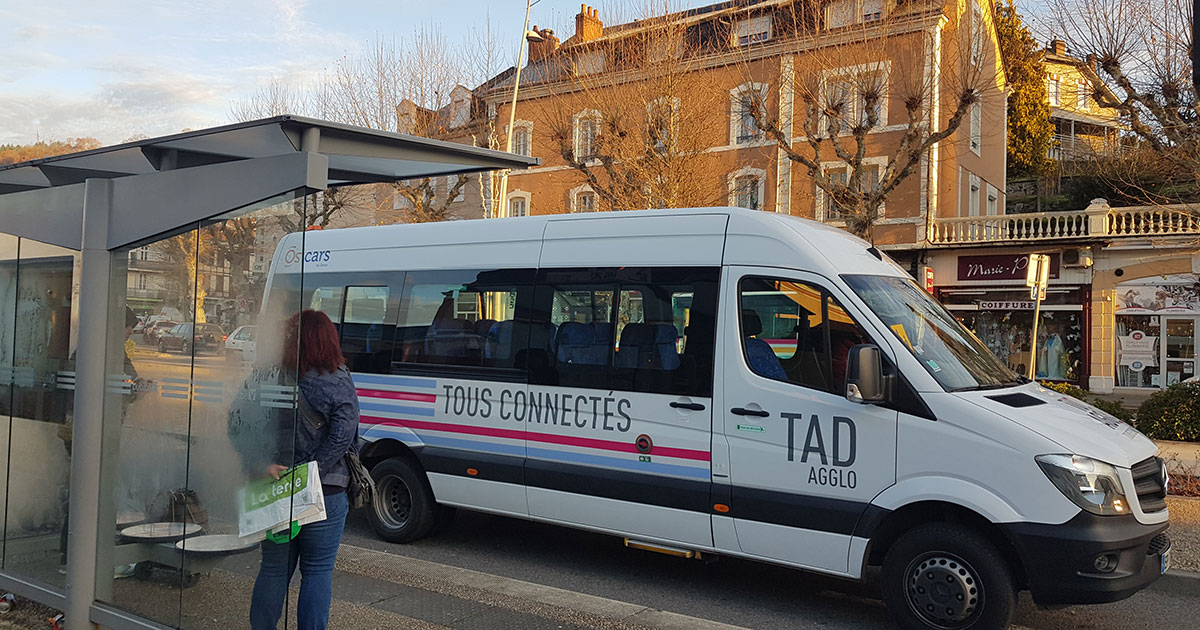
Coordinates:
115	69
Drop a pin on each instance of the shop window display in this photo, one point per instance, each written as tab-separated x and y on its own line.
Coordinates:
1007	335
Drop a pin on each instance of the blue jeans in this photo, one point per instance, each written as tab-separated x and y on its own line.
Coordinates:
315	550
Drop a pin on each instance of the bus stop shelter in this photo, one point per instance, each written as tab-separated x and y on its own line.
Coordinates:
61	350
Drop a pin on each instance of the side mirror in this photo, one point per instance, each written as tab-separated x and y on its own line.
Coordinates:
864	375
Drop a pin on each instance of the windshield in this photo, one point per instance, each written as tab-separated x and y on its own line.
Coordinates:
953	355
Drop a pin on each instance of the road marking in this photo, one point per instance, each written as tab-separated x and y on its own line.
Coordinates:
539	593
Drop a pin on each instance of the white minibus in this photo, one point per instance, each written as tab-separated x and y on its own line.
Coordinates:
732	382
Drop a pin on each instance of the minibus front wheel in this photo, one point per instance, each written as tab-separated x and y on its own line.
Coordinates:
943	576
403	508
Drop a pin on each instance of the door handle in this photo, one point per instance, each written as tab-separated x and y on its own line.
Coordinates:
742	411
687	405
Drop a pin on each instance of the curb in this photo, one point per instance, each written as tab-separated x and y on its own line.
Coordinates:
1178	582
510	587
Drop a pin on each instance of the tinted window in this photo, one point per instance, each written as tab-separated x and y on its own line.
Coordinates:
329	301
796	332
464	318
631	329
363	307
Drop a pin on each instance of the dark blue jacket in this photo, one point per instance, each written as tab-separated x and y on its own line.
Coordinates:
333	397
265	435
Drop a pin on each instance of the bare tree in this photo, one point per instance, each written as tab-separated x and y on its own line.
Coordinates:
400	85
632	116
1138	55
847	70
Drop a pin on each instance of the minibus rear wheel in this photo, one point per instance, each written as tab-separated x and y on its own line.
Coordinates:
943	576
402	510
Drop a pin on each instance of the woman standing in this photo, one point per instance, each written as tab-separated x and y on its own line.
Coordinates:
323	431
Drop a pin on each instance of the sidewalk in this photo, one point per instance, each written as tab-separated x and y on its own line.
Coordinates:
372	589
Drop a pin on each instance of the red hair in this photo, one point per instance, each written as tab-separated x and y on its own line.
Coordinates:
311	343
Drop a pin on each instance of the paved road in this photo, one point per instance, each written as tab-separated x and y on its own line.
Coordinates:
731	591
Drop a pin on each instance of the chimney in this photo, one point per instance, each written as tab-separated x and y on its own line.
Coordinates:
587	24
1058	46
540	50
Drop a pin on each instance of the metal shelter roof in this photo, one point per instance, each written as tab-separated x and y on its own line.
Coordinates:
356	155
159	184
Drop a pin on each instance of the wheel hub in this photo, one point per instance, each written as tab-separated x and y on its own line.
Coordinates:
943	590
396	501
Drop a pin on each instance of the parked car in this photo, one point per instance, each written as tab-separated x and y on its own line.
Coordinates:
240	344
181	338
140	326
153	331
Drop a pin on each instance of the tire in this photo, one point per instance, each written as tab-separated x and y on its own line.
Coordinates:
185	348
973	582
162	347
443	517
403	509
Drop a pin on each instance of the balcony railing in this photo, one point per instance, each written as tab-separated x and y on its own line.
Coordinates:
1098	220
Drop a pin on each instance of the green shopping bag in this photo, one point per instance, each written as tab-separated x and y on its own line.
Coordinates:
277	508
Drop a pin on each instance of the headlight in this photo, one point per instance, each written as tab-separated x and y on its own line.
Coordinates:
1090	484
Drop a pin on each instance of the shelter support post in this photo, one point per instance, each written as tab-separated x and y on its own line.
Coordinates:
90	367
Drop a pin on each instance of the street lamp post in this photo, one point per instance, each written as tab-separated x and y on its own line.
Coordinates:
529	37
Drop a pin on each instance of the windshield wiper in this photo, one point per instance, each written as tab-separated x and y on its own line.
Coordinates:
976	388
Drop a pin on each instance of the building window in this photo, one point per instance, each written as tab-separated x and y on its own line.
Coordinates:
522	142
1052	91
856	95
591	62
451	182
1083	89
976	36
663	116
743	99
518	204
586	126
973	198
752	30
841	13
583	199
838	174
664	47
976	127
993	201
747	188
872	10
460	106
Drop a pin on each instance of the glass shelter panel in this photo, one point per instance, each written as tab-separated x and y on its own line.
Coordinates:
37	292
210	408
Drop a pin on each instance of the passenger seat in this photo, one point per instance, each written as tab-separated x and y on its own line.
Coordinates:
759	354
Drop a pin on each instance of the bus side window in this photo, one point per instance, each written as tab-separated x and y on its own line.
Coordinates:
462	318
366	337
796	332
631	329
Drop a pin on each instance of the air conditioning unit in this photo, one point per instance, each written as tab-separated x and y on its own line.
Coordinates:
1077	258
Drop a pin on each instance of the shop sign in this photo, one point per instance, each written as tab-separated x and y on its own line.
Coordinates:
1005	305
1000	267
1137	350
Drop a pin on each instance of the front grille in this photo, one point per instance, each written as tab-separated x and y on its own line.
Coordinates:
1158	545
1148	484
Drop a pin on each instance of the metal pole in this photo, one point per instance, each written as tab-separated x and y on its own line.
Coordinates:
1037	310
90	369
501	202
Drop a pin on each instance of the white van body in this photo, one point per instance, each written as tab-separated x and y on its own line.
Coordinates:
744	465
